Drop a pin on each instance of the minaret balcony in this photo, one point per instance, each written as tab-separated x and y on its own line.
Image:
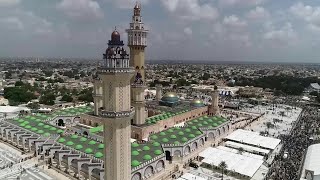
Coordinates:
138	85
108	70
113	114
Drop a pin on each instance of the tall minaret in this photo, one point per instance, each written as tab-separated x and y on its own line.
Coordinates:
137	42
214	107
116	111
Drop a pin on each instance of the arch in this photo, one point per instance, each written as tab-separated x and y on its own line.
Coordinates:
201	142
142	67
187	150
137	67
96	124
160	165
76	119
168	156
194	145
68	121
219	133
137	27
61	122
90	123
177	153
85	133
136	176
211	135
148	172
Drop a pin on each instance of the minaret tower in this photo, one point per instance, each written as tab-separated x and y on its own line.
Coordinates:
137	42
214	107
116	111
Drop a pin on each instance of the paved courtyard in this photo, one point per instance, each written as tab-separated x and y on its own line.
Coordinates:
32	173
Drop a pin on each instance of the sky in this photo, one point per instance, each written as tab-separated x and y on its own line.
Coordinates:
214	30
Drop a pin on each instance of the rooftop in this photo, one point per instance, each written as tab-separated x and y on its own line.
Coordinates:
36	123
253	138
312	161
207	122
177	135
140	153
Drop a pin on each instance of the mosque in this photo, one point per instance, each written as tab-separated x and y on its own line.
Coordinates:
123	137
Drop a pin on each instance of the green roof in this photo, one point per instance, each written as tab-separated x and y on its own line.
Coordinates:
176	135
78	147
98	155
88	151
69	143
140	153
206	122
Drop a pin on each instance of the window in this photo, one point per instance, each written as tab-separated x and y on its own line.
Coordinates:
137	67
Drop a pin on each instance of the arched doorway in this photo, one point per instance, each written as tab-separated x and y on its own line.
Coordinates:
168	156
160	166
85	133
194	146
201	142
177	153
211	135
187	150
60	122
148	172
136	176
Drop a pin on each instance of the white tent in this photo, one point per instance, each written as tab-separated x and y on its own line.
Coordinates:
253	138
12	109
312	161
245	164
189	176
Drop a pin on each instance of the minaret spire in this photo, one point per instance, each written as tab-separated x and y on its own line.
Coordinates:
137	42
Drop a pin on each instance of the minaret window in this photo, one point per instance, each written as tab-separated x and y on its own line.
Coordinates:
137	27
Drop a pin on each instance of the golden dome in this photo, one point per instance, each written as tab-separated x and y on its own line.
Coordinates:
170	95
197	103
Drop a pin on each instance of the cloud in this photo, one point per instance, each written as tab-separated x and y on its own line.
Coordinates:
191	9
126	4
240	3
308	13
18	19
234	22
257	14
81	9
187	31
282	36
9	3
12	23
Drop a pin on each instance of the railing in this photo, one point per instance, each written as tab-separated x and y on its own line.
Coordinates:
147	162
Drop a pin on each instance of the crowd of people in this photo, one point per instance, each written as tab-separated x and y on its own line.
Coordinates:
288	164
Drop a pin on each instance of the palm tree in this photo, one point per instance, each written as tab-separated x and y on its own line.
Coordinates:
240	150
223	166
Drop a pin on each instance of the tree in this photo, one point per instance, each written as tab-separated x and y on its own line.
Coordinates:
19	83
223	166
34	106
314	93
67	98
20	94
47	99
86	95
